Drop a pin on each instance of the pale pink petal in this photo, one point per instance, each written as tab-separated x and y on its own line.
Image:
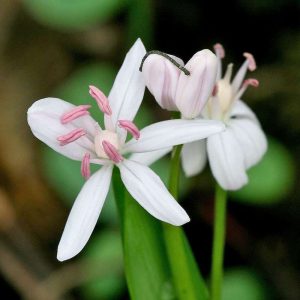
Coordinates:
194	90
44	119
227	160
193	157
161	78
169	133
149	191
84	214
128	89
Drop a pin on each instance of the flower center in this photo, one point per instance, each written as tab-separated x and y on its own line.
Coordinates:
224	94
108	136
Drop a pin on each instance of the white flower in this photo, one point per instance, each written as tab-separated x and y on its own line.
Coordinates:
242	144
230	152
71	131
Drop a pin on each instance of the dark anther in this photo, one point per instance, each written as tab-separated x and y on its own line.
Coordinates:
173	61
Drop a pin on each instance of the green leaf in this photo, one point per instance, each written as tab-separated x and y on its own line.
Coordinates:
75	14
242	283
146	268
271	180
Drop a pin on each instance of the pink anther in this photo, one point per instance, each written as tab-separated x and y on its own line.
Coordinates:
76	112
71	136
101	100
215	90
130	127
251	81
251	61
85	166
112	152
219	50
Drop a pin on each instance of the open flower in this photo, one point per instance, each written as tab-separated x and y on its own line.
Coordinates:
71	131
242	144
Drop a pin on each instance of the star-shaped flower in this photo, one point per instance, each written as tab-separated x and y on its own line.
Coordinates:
71	131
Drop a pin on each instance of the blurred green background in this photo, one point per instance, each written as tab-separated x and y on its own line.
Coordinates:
59	47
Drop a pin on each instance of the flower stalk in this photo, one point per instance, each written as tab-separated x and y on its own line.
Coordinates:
218	243
187	280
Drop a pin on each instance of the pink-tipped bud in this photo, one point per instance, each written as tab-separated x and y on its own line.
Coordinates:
111	151
101	100
251	61
76	112
215	90
251	81
130	127
85	166
219	50
71	136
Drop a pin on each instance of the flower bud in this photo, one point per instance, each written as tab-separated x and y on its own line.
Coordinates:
194	90
161	78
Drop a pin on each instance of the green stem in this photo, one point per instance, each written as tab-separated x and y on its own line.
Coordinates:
187	280
218	243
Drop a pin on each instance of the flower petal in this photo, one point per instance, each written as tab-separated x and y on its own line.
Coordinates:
44	120
251	138
172	132
149	191
148	158
193	157
84	214
194	90
161	78
241	110
127	92
226	160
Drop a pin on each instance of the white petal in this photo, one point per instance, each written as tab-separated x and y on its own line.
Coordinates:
194	90
172	132
149	191
226	160
241	110
84	214
127	92
161	78
193	157
251	138
148	158
44	120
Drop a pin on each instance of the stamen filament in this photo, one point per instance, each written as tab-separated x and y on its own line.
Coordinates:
111	151
130	127
85	166
101	100
71	136
75	113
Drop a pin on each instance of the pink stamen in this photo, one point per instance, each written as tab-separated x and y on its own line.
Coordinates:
251	61
215	90
251	81
112	152
101	100
219	50
85	166
76	112
71	136
130	127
